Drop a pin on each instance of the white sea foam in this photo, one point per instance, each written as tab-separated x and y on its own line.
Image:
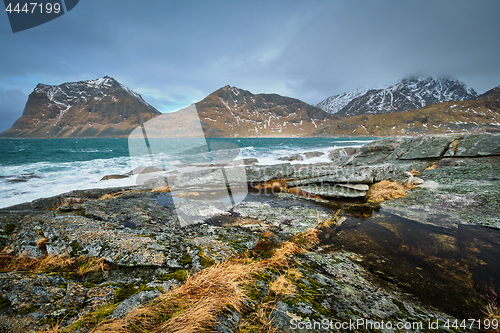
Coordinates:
27	182
30	181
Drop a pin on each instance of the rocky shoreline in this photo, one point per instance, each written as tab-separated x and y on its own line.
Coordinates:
145	251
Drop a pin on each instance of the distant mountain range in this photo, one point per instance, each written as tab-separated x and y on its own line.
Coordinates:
93	108
481	115
410	93
417	105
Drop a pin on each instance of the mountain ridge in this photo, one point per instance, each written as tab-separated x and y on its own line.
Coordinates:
105	108
410	93
481	115
92	108
230	111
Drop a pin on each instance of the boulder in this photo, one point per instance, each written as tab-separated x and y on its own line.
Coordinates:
312	154
108	177
340	155
296	157
376	152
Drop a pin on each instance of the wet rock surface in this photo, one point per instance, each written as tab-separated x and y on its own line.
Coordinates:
140	233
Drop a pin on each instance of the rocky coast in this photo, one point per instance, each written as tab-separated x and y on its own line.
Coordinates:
313	244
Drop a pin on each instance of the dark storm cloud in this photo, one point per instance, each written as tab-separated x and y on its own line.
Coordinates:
176	52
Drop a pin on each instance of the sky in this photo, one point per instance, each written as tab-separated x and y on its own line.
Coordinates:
175	53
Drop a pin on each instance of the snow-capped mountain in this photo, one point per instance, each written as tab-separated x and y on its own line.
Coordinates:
231	112
334	104
92	108
480	115
410	93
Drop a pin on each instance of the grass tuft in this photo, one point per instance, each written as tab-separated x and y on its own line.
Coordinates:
385	190
81	266
195	305
433	166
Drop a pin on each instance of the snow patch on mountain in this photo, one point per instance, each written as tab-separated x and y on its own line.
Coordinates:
412	92
335	103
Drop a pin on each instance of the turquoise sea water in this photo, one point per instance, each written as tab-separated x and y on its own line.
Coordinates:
35	168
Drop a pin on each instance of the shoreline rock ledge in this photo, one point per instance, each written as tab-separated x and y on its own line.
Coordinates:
135	233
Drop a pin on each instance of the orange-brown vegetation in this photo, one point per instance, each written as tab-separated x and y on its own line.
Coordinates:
385	190
433	166
162	189
194	306
274	184
81	266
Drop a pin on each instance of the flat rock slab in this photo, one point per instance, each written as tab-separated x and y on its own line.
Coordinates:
478	145
458	191
368	174
256	173
425	147
333	191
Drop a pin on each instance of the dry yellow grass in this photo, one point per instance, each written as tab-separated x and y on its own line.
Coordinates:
117	194
275	184
492	312
330	221
188	194
42	244
385	190
282	286
433	166
111	195
293	274
454	145
414	172
162	189
194	306
81	265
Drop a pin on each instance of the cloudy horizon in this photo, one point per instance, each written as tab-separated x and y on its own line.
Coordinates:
175	53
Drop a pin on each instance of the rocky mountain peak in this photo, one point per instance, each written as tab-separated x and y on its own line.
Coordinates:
99	107
230	111
411	92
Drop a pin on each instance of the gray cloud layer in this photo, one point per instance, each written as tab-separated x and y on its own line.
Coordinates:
176	52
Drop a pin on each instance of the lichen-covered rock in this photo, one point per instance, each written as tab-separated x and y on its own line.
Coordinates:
478	145
286	214
362	174
335	289
424	147
133	302
463	191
